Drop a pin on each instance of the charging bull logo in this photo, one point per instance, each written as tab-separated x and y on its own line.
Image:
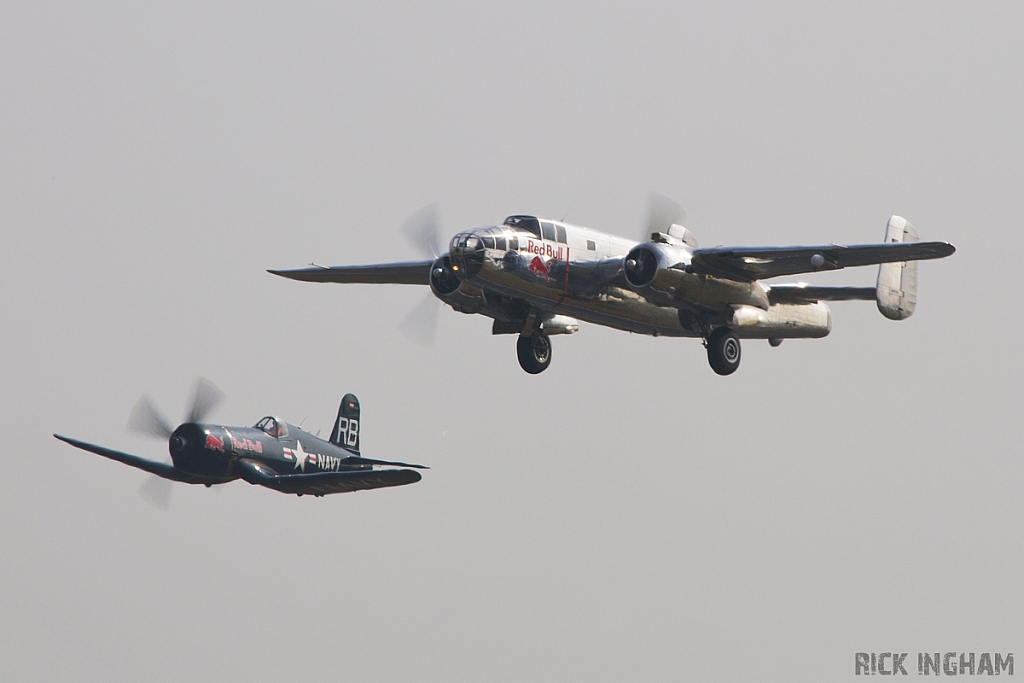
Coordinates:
539	268
214	444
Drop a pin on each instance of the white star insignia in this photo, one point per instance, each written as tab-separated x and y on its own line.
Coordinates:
299	455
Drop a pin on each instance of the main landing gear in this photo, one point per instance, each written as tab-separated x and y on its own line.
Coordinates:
534	352
723	350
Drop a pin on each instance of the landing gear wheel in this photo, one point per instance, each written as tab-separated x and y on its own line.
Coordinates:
724	351
534	352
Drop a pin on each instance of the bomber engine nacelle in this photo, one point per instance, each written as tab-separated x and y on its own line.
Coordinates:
661	273
646	262
446	286
443	280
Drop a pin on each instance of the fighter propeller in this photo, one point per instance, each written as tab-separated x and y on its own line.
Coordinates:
146	420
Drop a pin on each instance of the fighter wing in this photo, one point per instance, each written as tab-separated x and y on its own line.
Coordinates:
161	469
322	483
406	273
803	293
747	264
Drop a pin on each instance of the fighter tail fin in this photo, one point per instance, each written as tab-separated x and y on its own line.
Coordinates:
896	291
346	427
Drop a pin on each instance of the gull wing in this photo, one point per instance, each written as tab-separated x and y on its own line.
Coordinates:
322	483
405	273
747	264
160	469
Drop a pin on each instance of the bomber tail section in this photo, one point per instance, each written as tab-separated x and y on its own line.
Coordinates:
346	428
896	291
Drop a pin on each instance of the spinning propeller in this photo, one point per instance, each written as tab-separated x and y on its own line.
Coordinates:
662	213
422	230
147	420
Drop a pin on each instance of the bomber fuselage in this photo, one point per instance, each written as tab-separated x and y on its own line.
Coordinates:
574	271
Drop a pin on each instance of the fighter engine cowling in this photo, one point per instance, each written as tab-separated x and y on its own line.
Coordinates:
642	263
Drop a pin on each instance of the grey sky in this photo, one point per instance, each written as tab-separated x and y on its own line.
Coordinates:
627	515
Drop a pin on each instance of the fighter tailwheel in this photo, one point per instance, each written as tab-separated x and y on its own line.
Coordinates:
534	352
724	351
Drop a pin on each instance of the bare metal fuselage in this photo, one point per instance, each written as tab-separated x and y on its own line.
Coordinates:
580	274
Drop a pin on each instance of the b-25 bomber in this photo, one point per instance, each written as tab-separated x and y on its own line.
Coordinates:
272	453
538	278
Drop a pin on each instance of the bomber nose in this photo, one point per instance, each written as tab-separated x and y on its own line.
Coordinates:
466	252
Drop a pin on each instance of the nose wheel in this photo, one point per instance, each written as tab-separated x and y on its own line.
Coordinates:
534	352
723	351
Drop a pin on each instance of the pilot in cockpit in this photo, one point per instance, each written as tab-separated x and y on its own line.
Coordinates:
273	427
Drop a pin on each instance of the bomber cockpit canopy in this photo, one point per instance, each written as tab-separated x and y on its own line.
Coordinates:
272	426
475	241
544	229
527	223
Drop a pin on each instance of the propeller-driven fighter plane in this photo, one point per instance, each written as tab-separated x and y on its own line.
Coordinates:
273	454
538	278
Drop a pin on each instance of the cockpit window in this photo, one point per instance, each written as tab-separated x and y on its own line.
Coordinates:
527	223
488	241
273	427
560	229
548	230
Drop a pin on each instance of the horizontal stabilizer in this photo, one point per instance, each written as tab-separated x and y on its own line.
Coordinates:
808	294
406	273
161	469
323	483
367	461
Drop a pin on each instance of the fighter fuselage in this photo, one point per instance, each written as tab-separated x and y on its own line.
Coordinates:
211	451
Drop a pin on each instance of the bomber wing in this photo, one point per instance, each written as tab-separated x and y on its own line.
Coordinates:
405	273
161	469
322	483
747	264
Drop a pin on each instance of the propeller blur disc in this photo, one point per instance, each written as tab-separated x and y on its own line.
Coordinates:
145	419
157	492
422	229
662	212
420	325
204	400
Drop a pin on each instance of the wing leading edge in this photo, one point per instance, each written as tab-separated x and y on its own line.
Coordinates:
161	469
747	264
405	273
